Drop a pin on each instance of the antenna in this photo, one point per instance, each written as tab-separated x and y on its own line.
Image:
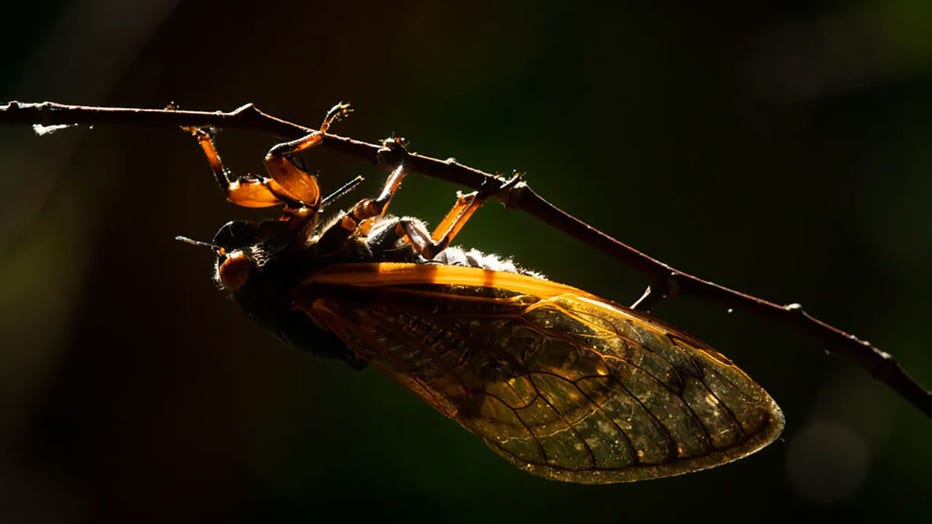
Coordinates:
190	241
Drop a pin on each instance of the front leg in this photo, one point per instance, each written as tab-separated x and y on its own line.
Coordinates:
288	184
246	191
290	180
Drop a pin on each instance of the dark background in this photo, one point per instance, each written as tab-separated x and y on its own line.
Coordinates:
783	149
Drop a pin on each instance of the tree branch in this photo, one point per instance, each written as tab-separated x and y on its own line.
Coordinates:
877	363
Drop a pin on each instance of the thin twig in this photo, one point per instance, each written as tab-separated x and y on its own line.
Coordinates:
879	364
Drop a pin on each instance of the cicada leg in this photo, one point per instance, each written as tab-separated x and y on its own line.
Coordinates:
373	207
290	181
247	191
430	245
289	184
356	219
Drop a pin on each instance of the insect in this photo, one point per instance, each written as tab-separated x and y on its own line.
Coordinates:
561	383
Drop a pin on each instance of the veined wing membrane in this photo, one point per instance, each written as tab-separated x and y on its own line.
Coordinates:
560	383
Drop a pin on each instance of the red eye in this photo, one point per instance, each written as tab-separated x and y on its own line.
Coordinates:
234	271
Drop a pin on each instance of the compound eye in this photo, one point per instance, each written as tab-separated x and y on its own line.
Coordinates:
234	270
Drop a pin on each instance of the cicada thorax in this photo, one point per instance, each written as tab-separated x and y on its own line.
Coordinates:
277	257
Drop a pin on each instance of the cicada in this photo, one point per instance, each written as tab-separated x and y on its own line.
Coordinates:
561	383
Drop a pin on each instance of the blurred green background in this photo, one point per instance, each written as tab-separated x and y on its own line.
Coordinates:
783	148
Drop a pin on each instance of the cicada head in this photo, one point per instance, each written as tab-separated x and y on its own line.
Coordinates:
258	265
245	247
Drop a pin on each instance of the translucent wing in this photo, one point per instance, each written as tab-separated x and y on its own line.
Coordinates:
557	381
